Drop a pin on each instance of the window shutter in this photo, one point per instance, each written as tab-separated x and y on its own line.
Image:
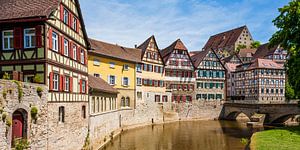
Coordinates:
86	86
77	25
158	83
71	49
71	84
50	38
61	83
71	20
172	98
64	80
85	57
51	81
18	38
38	36
80	86
143	82
61	12
78	54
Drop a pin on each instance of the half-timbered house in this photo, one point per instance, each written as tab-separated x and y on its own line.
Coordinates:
44	41
152	73
179	72
210	76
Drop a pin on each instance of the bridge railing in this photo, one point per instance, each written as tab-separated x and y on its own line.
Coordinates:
262	102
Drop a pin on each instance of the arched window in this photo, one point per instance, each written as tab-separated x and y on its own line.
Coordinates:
61	114
123	102
83	112
127	103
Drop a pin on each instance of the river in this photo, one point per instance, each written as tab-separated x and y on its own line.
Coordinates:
192	135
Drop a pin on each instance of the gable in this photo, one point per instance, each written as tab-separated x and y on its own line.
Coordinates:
211	61
150	51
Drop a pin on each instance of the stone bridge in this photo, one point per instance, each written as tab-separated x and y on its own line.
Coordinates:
275	113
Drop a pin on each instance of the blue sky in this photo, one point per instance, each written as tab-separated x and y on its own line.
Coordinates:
130	22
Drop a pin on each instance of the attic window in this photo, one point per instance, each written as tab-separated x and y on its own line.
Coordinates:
224	37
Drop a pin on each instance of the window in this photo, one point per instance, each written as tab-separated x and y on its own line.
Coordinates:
8	40
125	81
67	84
157	98
83	86
74	52
112	80
83	112
126	67
139	68
112	64
82	56
66	47
55	82
96	62
138	81
54	41
74	25
127	102
66	16
61	114
29	38
97	75
165	98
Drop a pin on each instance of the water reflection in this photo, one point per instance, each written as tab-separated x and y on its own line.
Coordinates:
195	135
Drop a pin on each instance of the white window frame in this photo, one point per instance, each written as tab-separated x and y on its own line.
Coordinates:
67	84
139	67
82	56
74	23
55	82
110	80
9	38
123	81
96	62
31	37
55	41
83	86
74	52
138	81
126	67
66	47
112	65
66	16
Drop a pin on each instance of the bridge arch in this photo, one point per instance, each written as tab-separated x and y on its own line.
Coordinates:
238	115
286	117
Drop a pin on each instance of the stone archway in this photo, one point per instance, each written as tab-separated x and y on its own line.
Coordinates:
285	119
19	124
238	116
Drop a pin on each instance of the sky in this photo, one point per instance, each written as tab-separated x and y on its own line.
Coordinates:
131	22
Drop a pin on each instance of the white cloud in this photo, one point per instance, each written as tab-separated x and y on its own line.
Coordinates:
131	22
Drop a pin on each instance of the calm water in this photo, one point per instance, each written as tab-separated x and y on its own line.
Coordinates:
195	135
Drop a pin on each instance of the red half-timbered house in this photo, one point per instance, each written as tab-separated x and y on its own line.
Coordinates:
179	72
44	41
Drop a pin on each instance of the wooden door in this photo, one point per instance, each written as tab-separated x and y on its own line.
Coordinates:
17	127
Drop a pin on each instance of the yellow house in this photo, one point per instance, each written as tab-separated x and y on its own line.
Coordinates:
117	66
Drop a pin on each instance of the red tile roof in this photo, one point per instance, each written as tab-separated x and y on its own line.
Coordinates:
224	39
198	56
177	45
115	51
264	50
100	85
247	52
231	67
14	9
264	63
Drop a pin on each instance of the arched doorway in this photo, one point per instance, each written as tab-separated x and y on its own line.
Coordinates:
19	124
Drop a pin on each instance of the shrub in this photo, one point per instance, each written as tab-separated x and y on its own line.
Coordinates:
4	93
39	90
20	90
21	144
34	112
244	141
86	145
37	79
6	76
8	121
4	115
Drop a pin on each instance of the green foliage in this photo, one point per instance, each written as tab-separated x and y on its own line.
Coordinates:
4	115
255	44
20	90
6	76
289	91
39	90
239	47
288	37
37	79
244	141
4	93
86	145
21	144
34	112
8	121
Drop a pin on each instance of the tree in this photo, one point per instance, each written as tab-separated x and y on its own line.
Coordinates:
289	91
239	47
255	44
288	37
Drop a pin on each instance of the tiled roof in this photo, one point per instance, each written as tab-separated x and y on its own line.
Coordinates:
264	63
100	85
231	67
13	9
175	45
264	50
198	56
247	52
144	45
228	59
115	51
224	39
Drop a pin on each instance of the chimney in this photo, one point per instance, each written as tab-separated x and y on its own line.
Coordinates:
135	46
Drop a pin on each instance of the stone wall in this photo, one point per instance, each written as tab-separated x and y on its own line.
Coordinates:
11	101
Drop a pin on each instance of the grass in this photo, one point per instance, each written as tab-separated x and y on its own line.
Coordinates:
287	138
